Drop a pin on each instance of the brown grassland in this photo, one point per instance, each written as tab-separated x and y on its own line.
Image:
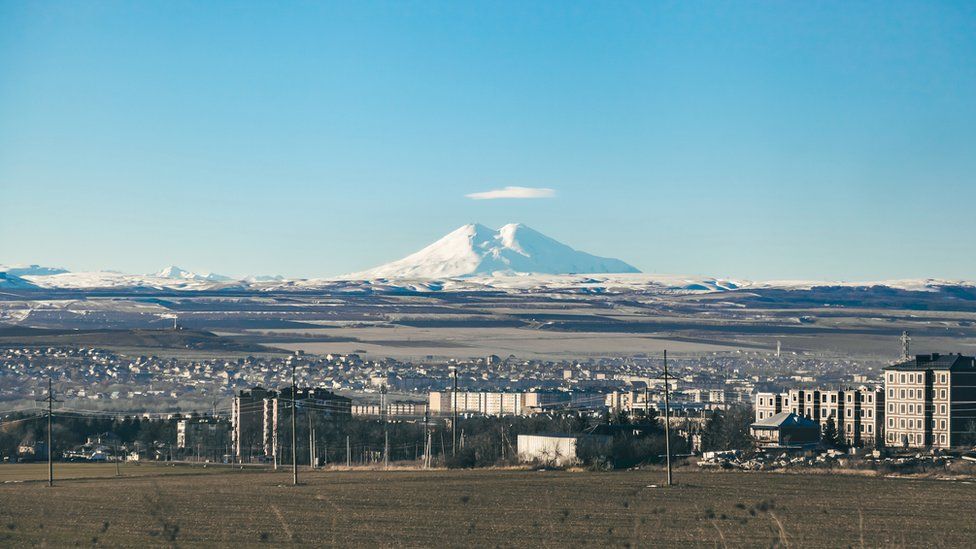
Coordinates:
176	506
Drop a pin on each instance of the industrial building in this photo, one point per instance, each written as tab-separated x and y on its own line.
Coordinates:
558	450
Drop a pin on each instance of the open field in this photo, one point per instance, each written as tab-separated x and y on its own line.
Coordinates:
24	472
497	508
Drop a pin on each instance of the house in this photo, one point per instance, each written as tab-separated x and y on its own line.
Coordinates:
32	451
785	430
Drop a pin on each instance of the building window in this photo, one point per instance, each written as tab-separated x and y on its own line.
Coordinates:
891	422
942	409
902	393
942	394
942	378
903	378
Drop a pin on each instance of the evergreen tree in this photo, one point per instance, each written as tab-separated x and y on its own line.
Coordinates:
831	437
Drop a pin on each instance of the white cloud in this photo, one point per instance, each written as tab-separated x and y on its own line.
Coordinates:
514	192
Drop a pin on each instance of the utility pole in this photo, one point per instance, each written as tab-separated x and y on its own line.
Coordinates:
426	435
50	439
386	428
667	416
455	413
311	440
294	427
50	450
647	404
348	453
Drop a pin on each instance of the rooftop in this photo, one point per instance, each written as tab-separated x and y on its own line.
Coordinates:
786	419
936	361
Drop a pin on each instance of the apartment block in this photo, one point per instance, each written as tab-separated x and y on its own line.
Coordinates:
930	401
256	415
769	404
857	413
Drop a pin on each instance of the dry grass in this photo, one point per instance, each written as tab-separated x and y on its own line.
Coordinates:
489	508
21	472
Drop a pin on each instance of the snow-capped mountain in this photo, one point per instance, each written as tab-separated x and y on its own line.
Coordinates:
476	250
30	270
174	272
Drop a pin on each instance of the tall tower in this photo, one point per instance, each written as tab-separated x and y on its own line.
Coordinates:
779	347
905	345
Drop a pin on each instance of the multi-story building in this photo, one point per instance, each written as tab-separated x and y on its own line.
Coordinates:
257	413
247	423
930	401
501	403
857	414
393	409
769	404
204	437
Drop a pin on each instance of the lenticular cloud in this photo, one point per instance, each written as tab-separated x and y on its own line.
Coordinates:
514	192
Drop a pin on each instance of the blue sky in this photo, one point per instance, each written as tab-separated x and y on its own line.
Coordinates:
756	140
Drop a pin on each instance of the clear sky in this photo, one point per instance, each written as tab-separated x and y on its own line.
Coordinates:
755	140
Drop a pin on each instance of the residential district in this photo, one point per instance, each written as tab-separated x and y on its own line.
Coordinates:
798	403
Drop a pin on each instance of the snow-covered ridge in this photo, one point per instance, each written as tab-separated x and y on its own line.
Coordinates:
31	270
175	272
476	250
594	283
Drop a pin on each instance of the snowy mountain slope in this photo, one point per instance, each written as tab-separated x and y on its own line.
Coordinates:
174	272
111	279
32	270
515	284
474	250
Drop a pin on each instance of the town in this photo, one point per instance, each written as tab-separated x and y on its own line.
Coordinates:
237	411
